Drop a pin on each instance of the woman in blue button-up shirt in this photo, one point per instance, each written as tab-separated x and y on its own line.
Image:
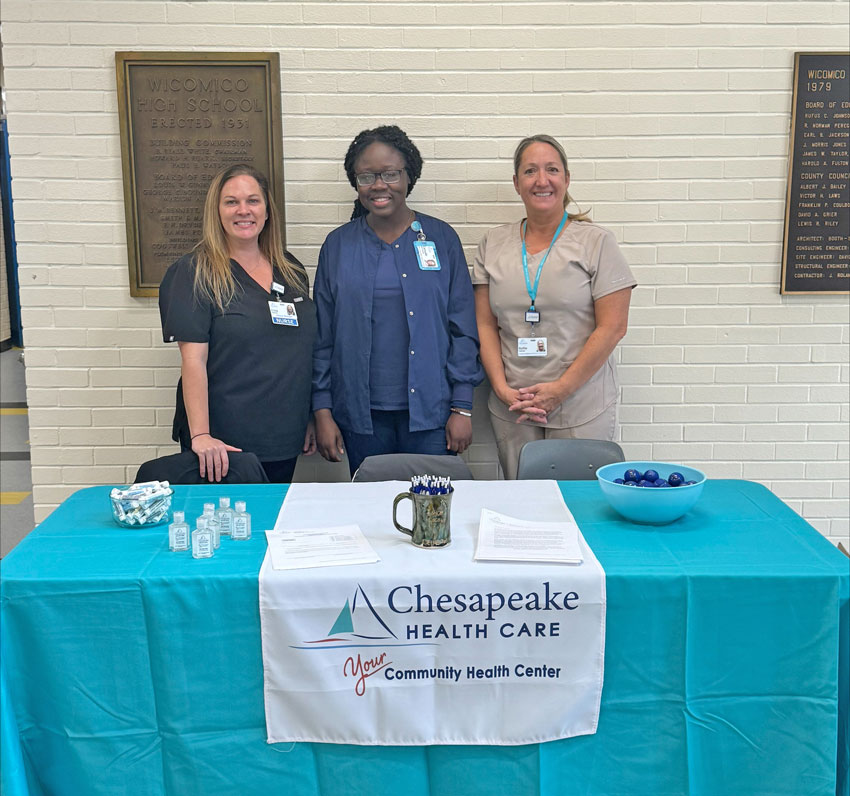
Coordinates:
396	357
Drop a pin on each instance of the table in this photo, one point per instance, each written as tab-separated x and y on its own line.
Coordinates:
132	670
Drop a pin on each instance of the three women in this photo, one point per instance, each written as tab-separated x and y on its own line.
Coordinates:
396	359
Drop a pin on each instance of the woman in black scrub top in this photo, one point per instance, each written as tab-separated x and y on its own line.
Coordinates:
239	309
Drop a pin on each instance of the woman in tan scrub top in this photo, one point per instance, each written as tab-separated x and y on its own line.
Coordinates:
552	296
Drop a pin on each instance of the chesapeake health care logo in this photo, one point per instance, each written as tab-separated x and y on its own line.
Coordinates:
417	618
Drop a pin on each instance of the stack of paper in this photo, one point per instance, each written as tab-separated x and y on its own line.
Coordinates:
337	546
504	538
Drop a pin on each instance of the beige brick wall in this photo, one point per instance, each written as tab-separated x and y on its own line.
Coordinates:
676	117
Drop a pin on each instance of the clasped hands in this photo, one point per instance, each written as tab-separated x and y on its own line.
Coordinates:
535	402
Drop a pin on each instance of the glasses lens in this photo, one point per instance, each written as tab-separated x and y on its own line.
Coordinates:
391	176
367	178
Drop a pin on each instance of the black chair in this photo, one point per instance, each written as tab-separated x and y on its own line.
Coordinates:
566	459
402	466
182	468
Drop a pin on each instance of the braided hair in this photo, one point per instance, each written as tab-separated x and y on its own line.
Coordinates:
393	136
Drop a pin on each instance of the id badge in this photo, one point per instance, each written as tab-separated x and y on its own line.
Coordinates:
426	253
283	313
532	347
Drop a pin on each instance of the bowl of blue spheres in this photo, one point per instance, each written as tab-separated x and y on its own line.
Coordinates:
654	493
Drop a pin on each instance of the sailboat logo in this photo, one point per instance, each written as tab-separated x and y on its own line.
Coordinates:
357	624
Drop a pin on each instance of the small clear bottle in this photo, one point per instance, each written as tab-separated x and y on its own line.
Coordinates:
202	540
178	533
212	521
241	522
224	515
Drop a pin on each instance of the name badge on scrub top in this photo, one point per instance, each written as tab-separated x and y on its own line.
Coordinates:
531	347
426	254
283	313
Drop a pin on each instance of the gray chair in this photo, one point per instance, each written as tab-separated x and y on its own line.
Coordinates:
401	466
566	459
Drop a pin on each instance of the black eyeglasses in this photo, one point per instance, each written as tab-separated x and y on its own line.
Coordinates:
370	177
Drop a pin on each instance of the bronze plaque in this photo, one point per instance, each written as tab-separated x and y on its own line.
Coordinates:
816	250
184	117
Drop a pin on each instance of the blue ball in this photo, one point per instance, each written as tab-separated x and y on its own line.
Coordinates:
644	482
632	475
661	483
651	475
630	483
689	483
619	481
675	479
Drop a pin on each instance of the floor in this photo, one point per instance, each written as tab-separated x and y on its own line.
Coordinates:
16	508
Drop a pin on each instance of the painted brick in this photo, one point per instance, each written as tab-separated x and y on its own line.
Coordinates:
714	432
776	394
91	436
61	455
123	417
823	508
716	394
36	338
148	436
89	476
683	414
747	414
829	431
120	455
808	374
57	377
651	433
705	354
122	377
801	489
775	432
764	470
812	413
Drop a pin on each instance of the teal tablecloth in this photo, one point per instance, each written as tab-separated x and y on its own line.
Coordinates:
134	671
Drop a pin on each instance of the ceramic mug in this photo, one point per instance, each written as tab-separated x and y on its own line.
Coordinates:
431	515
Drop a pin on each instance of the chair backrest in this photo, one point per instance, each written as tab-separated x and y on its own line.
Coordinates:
182	468
401	466
566	459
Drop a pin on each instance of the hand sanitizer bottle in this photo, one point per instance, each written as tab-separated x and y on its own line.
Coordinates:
178	533
224	515
202	540
241	522
212	524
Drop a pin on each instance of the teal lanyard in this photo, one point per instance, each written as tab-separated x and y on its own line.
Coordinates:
532	291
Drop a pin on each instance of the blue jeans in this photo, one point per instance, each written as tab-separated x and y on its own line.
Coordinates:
391	434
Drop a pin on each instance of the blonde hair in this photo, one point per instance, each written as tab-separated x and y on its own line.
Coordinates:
582	215
213	277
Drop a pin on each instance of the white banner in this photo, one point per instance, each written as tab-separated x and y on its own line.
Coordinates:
431	646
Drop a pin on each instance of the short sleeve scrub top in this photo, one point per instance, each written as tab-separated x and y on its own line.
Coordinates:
258	371
584	265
